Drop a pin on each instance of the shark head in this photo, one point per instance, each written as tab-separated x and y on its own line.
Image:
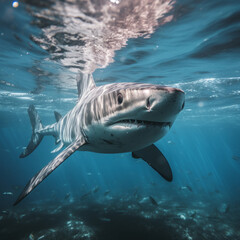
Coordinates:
128	116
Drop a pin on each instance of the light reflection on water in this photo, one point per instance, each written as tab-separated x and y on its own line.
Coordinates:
193	46
85	34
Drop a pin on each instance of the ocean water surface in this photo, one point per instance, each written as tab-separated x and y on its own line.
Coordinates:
191	45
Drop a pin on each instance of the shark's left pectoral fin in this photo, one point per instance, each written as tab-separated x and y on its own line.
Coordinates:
153	156
40	176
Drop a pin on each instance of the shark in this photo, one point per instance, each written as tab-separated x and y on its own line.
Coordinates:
112	118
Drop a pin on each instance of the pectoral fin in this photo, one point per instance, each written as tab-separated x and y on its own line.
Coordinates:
153	156
40	176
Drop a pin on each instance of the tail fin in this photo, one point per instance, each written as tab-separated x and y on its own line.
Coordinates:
36	137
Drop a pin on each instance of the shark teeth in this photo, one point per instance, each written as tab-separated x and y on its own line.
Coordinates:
143	122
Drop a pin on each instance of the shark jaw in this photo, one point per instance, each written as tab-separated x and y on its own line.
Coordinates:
135	123
132	134
143	127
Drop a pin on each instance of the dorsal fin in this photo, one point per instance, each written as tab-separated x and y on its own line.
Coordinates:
57	115
85	82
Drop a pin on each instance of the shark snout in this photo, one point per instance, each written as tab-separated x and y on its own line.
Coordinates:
176	98
165	103
167	96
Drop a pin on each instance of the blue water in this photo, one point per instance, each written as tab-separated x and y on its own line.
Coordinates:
197	49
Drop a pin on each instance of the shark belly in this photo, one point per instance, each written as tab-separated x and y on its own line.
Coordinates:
123	139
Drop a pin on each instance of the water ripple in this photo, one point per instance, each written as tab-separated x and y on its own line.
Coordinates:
85	34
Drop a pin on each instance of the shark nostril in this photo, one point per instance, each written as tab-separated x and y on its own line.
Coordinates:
183	105
148	103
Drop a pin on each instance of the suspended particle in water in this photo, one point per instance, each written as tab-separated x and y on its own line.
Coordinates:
15	4
115	1
200	104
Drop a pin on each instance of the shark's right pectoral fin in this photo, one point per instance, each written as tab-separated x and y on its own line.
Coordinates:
40	176
153	156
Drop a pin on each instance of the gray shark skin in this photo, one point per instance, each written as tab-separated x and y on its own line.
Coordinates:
113	118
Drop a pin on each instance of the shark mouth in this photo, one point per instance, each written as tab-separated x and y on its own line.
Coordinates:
144	123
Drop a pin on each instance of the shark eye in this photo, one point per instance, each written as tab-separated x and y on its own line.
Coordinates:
148	104
120	98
